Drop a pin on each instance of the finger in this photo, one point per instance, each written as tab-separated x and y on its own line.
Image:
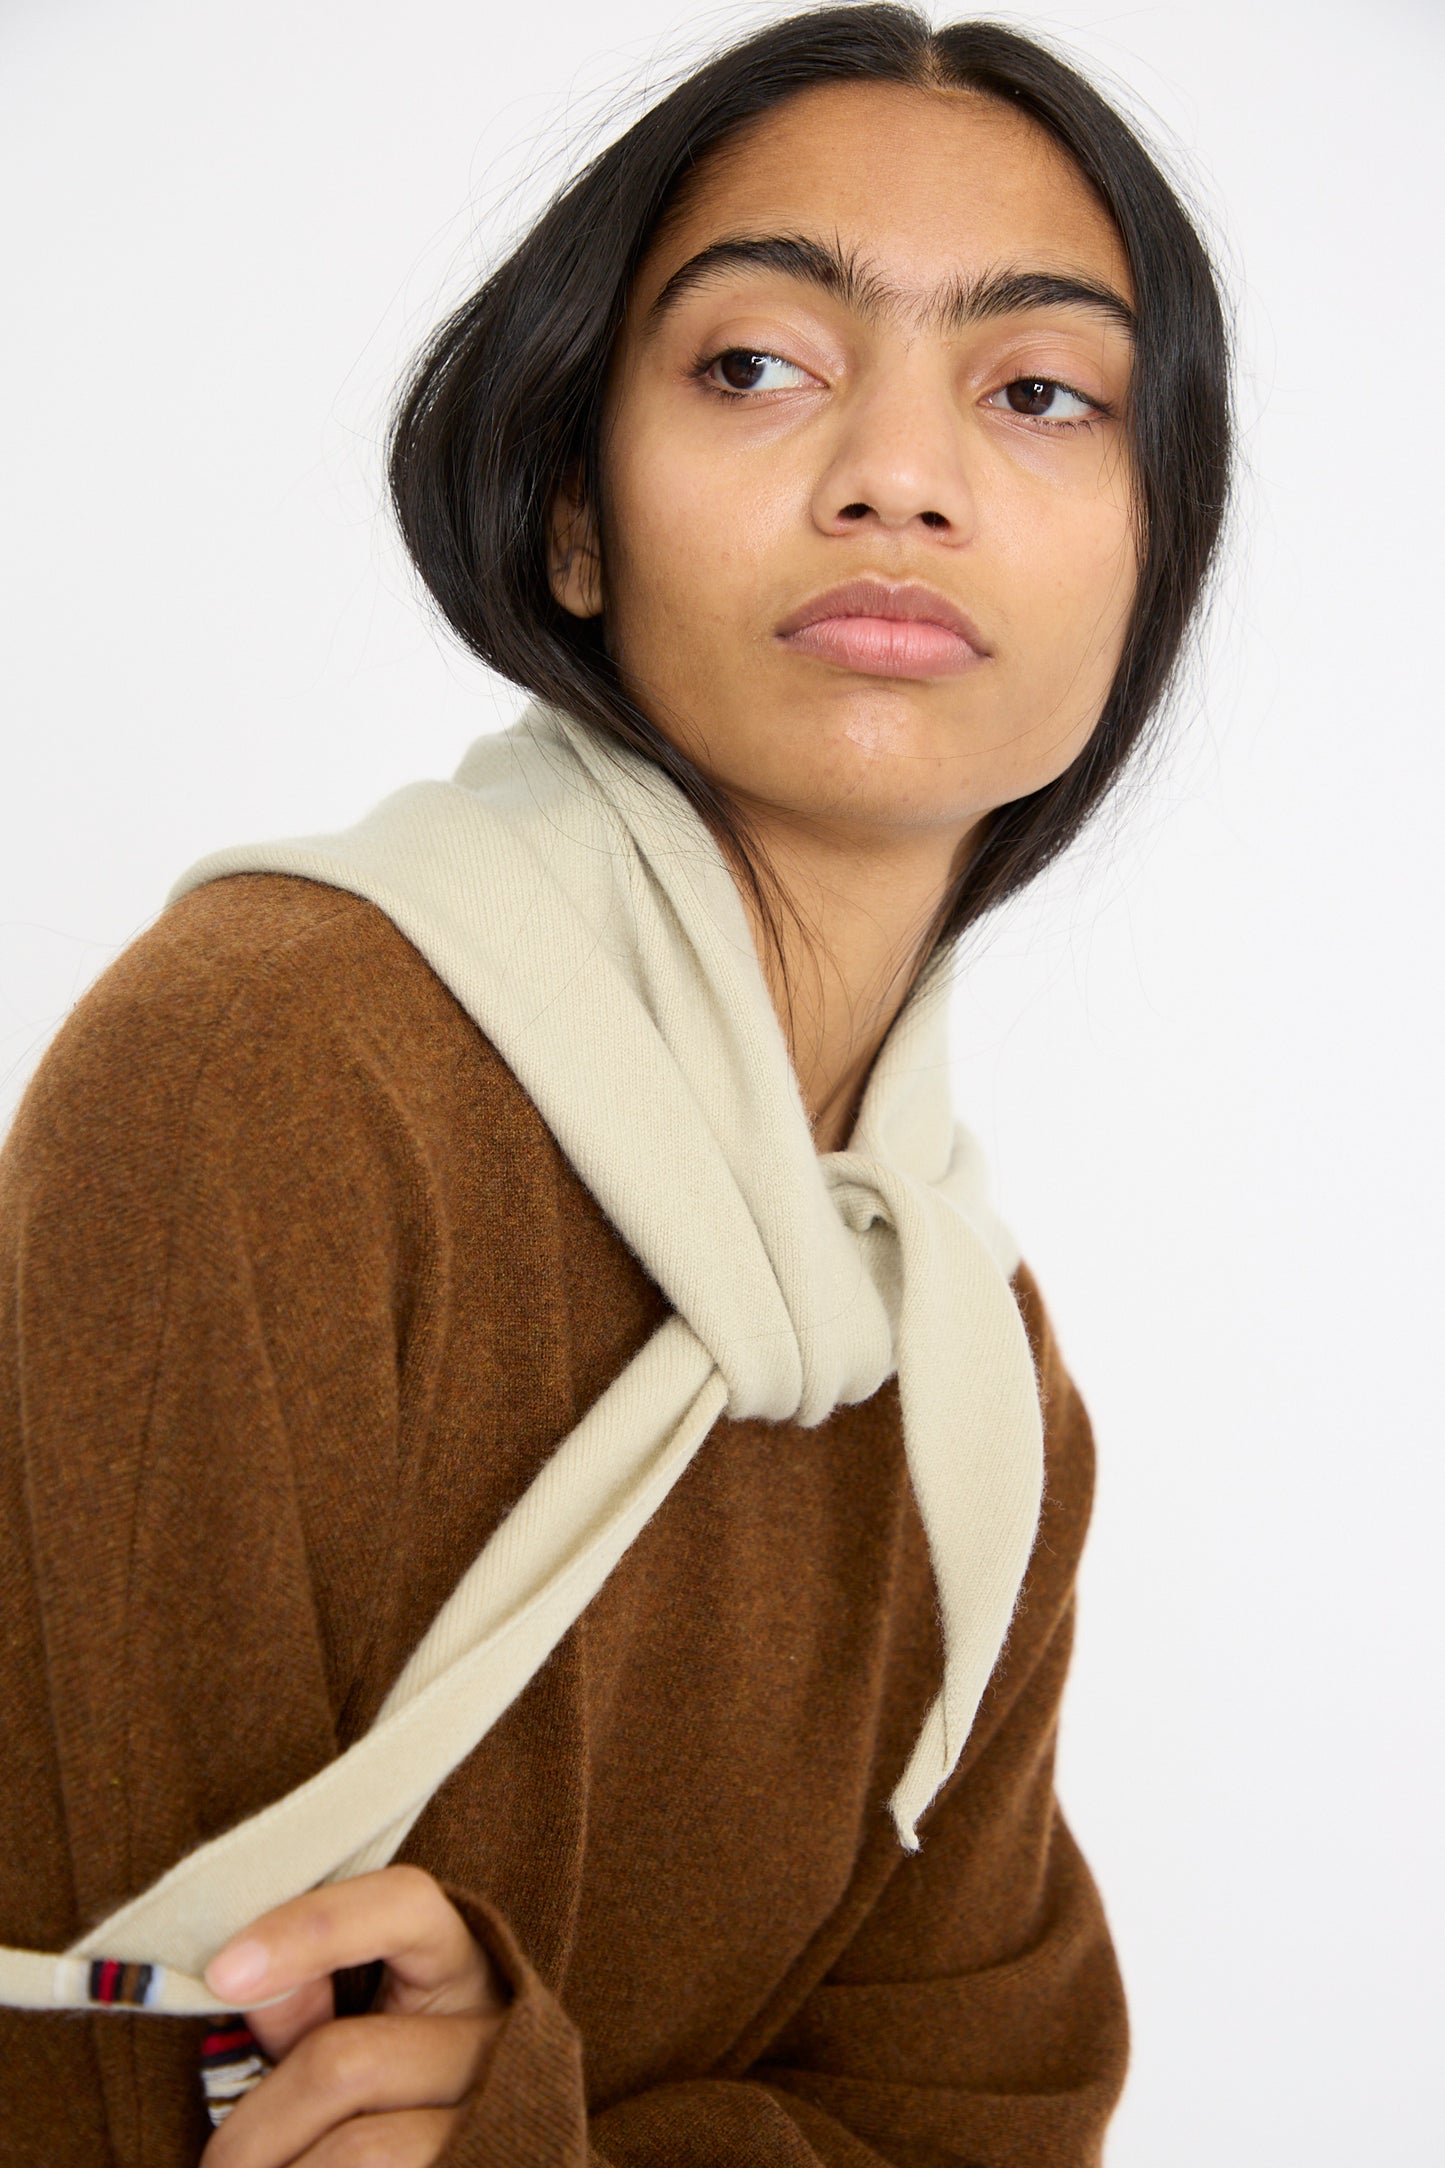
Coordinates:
398	1913
414	2139
280	2025
353	2067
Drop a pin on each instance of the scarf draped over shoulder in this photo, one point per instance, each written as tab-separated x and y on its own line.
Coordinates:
573	901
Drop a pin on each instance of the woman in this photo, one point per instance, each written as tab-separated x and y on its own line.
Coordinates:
839	462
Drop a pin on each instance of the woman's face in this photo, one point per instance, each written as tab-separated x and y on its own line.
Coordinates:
843	362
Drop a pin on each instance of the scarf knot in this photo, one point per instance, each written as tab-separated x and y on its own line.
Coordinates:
859	1203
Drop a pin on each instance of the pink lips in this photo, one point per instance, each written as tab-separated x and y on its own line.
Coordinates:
908	630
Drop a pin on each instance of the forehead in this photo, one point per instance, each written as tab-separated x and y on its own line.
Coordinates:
922	182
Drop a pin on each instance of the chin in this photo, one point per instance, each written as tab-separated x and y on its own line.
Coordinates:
879	752
864	793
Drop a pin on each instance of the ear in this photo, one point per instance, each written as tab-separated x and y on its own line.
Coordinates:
574	558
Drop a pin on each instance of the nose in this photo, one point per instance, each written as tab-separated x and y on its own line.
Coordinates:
897	461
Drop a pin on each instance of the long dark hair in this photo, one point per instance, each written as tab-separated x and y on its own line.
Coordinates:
503	408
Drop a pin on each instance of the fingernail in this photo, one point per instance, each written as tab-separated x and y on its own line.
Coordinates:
240	1967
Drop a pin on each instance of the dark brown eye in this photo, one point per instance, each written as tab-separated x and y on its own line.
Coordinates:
739	369
1030	395
1043	398
742	370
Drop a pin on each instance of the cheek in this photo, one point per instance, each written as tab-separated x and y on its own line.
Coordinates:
688	537
1072	569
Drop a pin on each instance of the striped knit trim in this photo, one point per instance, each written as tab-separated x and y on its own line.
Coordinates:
111	1983
233	2063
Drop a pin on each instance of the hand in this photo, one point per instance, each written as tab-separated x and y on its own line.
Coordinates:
388	2088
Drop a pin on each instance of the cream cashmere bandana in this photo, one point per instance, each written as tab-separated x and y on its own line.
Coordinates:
585	918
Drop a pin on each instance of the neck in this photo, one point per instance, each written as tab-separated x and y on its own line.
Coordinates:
851	930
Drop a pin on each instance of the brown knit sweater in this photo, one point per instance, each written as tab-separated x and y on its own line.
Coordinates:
298	1295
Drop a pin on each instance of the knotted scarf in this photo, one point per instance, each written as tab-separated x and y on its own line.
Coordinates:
584	916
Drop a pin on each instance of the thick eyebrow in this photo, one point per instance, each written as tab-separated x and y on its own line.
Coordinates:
840	272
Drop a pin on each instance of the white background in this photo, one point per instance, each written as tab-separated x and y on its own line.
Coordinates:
1203	1055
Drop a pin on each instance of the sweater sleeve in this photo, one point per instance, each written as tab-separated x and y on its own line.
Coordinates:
199	1416
967	2006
